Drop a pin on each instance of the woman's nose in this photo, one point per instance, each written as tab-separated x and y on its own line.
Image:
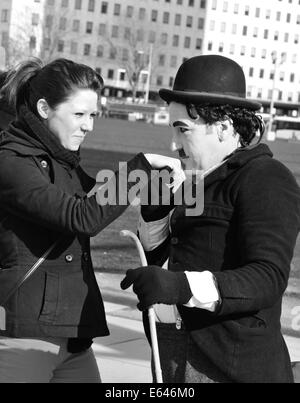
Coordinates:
87	125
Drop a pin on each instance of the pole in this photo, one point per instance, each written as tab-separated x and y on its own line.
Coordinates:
149	75
151	313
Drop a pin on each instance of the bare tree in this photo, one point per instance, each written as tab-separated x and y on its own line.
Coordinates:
132	53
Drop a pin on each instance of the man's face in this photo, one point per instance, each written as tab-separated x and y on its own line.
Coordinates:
196	143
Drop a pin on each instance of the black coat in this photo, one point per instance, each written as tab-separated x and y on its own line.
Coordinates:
246	237
43	199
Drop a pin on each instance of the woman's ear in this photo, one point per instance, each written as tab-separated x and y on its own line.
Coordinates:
43	108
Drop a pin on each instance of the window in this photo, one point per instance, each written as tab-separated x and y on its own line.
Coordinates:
49	21
117	9
244	30
99	51
154	14
171	81
177	19
104	7
253	51
125	55
127	33
286	37
140	35
112	53
202	3
261	73
51	2
259	93
166	17
236	8
179	2
110	74
200	23
86	49
246	10
251	70
272	73
276	35
278	15
189	21
191	3
225	6
91	6
89	27
214	4
268	14
35	19
74	48
78	4
255	32
264	53
223	26
281	76
102	29
292	77
129	11
266	33
122	75
221	47
142	13
212	25
243	50
64	3
209	45
32	42
187	42
152	36
298	20
76	25
4	39
232	49
257	12
98	70
4	15
288	17
115	31
164	38
175	40
60	46
173	61
161	60
296	40
198	43
234	29
62	23
159	80
47	43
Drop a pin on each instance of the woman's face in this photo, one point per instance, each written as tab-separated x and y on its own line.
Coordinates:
71	120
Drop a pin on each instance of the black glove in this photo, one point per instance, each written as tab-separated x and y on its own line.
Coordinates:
155	285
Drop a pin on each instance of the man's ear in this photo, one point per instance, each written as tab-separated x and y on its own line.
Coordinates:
43	108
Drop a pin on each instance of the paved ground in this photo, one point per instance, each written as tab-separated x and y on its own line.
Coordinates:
124	356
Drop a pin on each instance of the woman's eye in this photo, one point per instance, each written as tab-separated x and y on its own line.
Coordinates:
79	114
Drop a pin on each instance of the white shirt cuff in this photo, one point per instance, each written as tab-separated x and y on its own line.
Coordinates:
204	290
153	233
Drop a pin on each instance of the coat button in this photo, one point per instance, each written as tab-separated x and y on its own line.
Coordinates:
44	164
85	256
69	258
174	241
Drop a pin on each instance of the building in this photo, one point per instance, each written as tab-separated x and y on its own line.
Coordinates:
128	41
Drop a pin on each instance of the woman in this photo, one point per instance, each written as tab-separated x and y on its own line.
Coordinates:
48	321
219	302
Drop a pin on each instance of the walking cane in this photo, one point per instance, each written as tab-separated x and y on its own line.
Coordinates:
151	314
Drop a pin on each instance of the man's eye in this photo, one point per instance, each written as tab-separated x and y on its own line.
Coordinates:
183	129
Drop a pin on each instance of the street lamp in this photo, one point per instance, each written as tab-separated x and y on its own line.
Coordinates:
148	75
276	63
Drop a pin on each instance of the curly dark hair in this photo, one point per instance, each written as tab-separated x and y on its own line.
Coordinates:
245	122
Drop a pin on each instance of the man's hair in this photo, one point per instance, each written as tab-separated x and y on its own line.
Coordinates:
245	122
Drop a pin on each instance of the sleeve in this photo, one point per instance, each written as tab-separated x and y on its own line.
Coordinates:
267	217
204	289
26	193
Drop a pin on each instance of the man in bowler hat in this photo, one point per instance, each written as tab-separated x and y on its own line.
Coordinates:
216	280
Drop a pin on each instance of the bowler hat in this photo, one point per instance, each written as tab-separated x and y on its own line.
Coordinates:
211	79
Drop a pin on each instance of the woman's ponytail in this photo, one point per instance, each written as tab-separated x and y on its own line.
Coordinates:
16	86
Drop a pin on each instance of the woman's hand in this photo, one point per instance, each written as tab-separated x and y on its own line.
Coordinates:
161	161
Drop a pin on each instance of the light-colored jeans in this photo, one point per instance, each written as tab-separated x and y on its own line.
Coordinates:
45	361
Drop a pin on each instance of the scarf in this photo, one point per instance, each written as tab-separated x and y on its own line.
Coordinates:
32	129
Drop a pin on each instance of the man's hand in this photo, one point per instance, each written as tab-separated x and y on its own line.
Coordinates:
155	285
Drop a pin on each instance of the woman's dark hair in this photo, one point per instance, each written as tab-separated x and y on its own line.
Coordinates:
245	122
54	82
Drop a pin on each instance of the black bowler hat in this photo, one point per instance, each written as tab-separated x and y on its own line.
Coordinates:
211	79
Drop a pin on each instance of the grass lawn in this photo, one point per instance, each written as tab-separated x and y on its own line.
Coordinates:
116	140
